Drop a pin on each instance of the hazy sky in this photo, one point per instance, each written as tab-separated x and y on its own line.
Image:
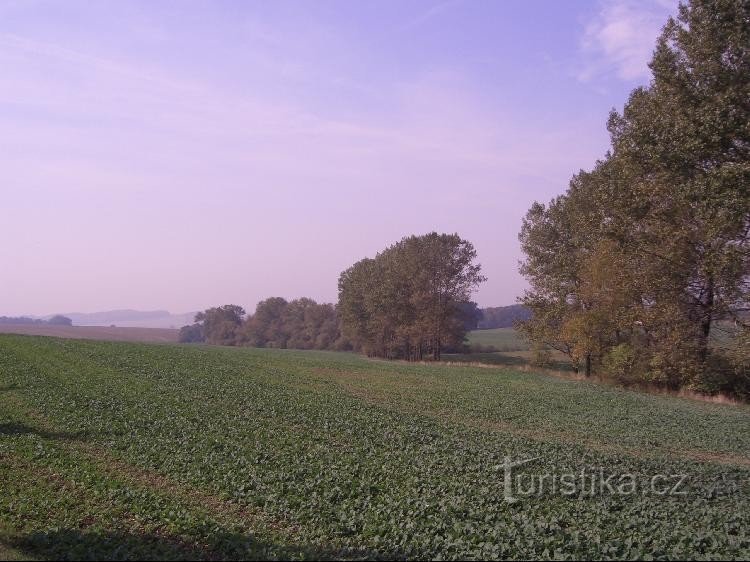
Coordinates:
186	154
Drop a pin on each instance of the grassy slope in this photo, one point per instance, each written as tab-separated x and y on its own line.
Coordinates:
504	339
108	333
133	450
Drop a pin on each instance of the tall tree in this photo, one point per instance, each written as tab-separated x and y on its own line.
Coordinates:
651	247
221	324
685	144
411	299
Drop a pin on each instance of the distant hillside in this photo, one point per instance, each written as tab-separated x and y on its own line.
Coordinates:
502	316
131	318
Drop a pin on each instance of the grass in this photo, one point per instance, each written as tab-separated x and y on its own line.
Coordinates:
109	333
122	450
502	339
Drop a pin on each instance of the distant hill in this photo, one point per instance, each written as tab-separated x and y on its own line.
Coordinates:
131	318
502	316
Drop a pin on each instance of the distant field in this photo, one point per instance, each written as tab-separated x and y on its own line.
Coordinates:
154	335
503	339
517	359
130	451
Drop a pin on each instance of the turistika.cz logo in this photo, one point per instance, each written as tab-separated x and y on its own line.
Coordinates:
587	482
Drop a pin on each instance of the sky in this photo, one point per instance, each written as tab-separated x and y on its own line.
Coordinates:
184	154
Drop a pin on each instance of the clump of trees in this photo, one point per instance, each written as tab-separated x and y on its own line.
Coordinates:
56	320
636	269
60	320
502	316
192	333
220	325
297	324
20	320
413	299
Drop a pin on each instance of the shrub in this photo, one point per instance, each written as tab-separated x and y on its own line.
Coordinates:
619	364
59	320
541	356
192	334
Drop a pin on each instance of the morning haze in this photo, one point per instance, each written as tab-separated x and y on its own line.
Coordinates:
375	280
174	156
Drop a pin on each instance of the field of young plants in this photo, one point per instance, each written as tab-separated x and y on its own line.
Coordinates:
502	339
124	451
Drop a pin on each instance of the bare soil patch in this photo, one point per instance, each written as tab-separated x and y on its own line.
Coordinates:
152	335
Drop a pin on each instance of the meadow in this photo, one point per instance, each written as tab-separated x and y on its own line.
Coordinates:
502	339
112	450
109	333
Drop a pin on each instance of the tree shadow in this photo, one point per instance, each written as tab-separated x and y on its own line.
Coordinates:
513	359
8	387
17	428
76	544
492	358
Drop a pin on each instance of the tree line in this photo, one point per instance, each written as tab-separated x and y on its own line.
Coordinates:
411	301
502	316
277	323
641	270
56	320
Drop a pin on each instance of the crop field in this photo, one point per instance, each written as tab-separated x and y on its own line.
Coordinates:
502	339
110	333
127	450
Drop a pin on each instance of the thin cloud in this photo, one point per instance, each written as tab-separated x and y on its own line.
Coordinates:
621	38
428	14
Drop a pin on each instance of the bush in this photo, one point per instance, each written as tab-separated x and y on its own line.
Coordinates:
192	334
724	374
541	356
59	320
619	364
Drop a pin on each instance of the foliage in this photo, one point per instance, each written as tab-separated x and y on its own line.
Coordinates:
541	355
413	299
60	320
192	334
20	320
298	324
56	320
620	363
503	316
651	248
221	324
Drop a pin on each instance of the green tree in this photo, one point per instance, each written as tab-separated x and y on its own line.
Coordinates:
192	333
412	299
221	325
651	247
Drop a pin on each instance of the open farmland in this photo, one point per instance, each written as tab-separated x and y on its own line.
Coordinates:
112	333
502	339
126	450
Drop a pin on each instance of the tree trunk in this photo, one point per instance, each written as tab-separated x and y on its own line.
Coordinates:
588	365
706	319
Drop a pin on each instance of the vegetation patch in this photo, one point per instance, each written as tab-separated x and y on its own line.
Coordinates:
113	450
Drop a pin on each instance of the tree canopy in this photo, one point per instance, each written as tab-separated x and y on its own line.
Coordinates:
643	255
297	324
413	299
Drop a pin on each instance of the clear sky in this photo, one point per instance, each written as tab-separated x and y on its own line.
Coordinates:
179	155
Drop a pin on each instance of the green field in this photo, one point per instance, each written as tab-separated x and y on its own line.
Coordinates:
502	339
123	450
